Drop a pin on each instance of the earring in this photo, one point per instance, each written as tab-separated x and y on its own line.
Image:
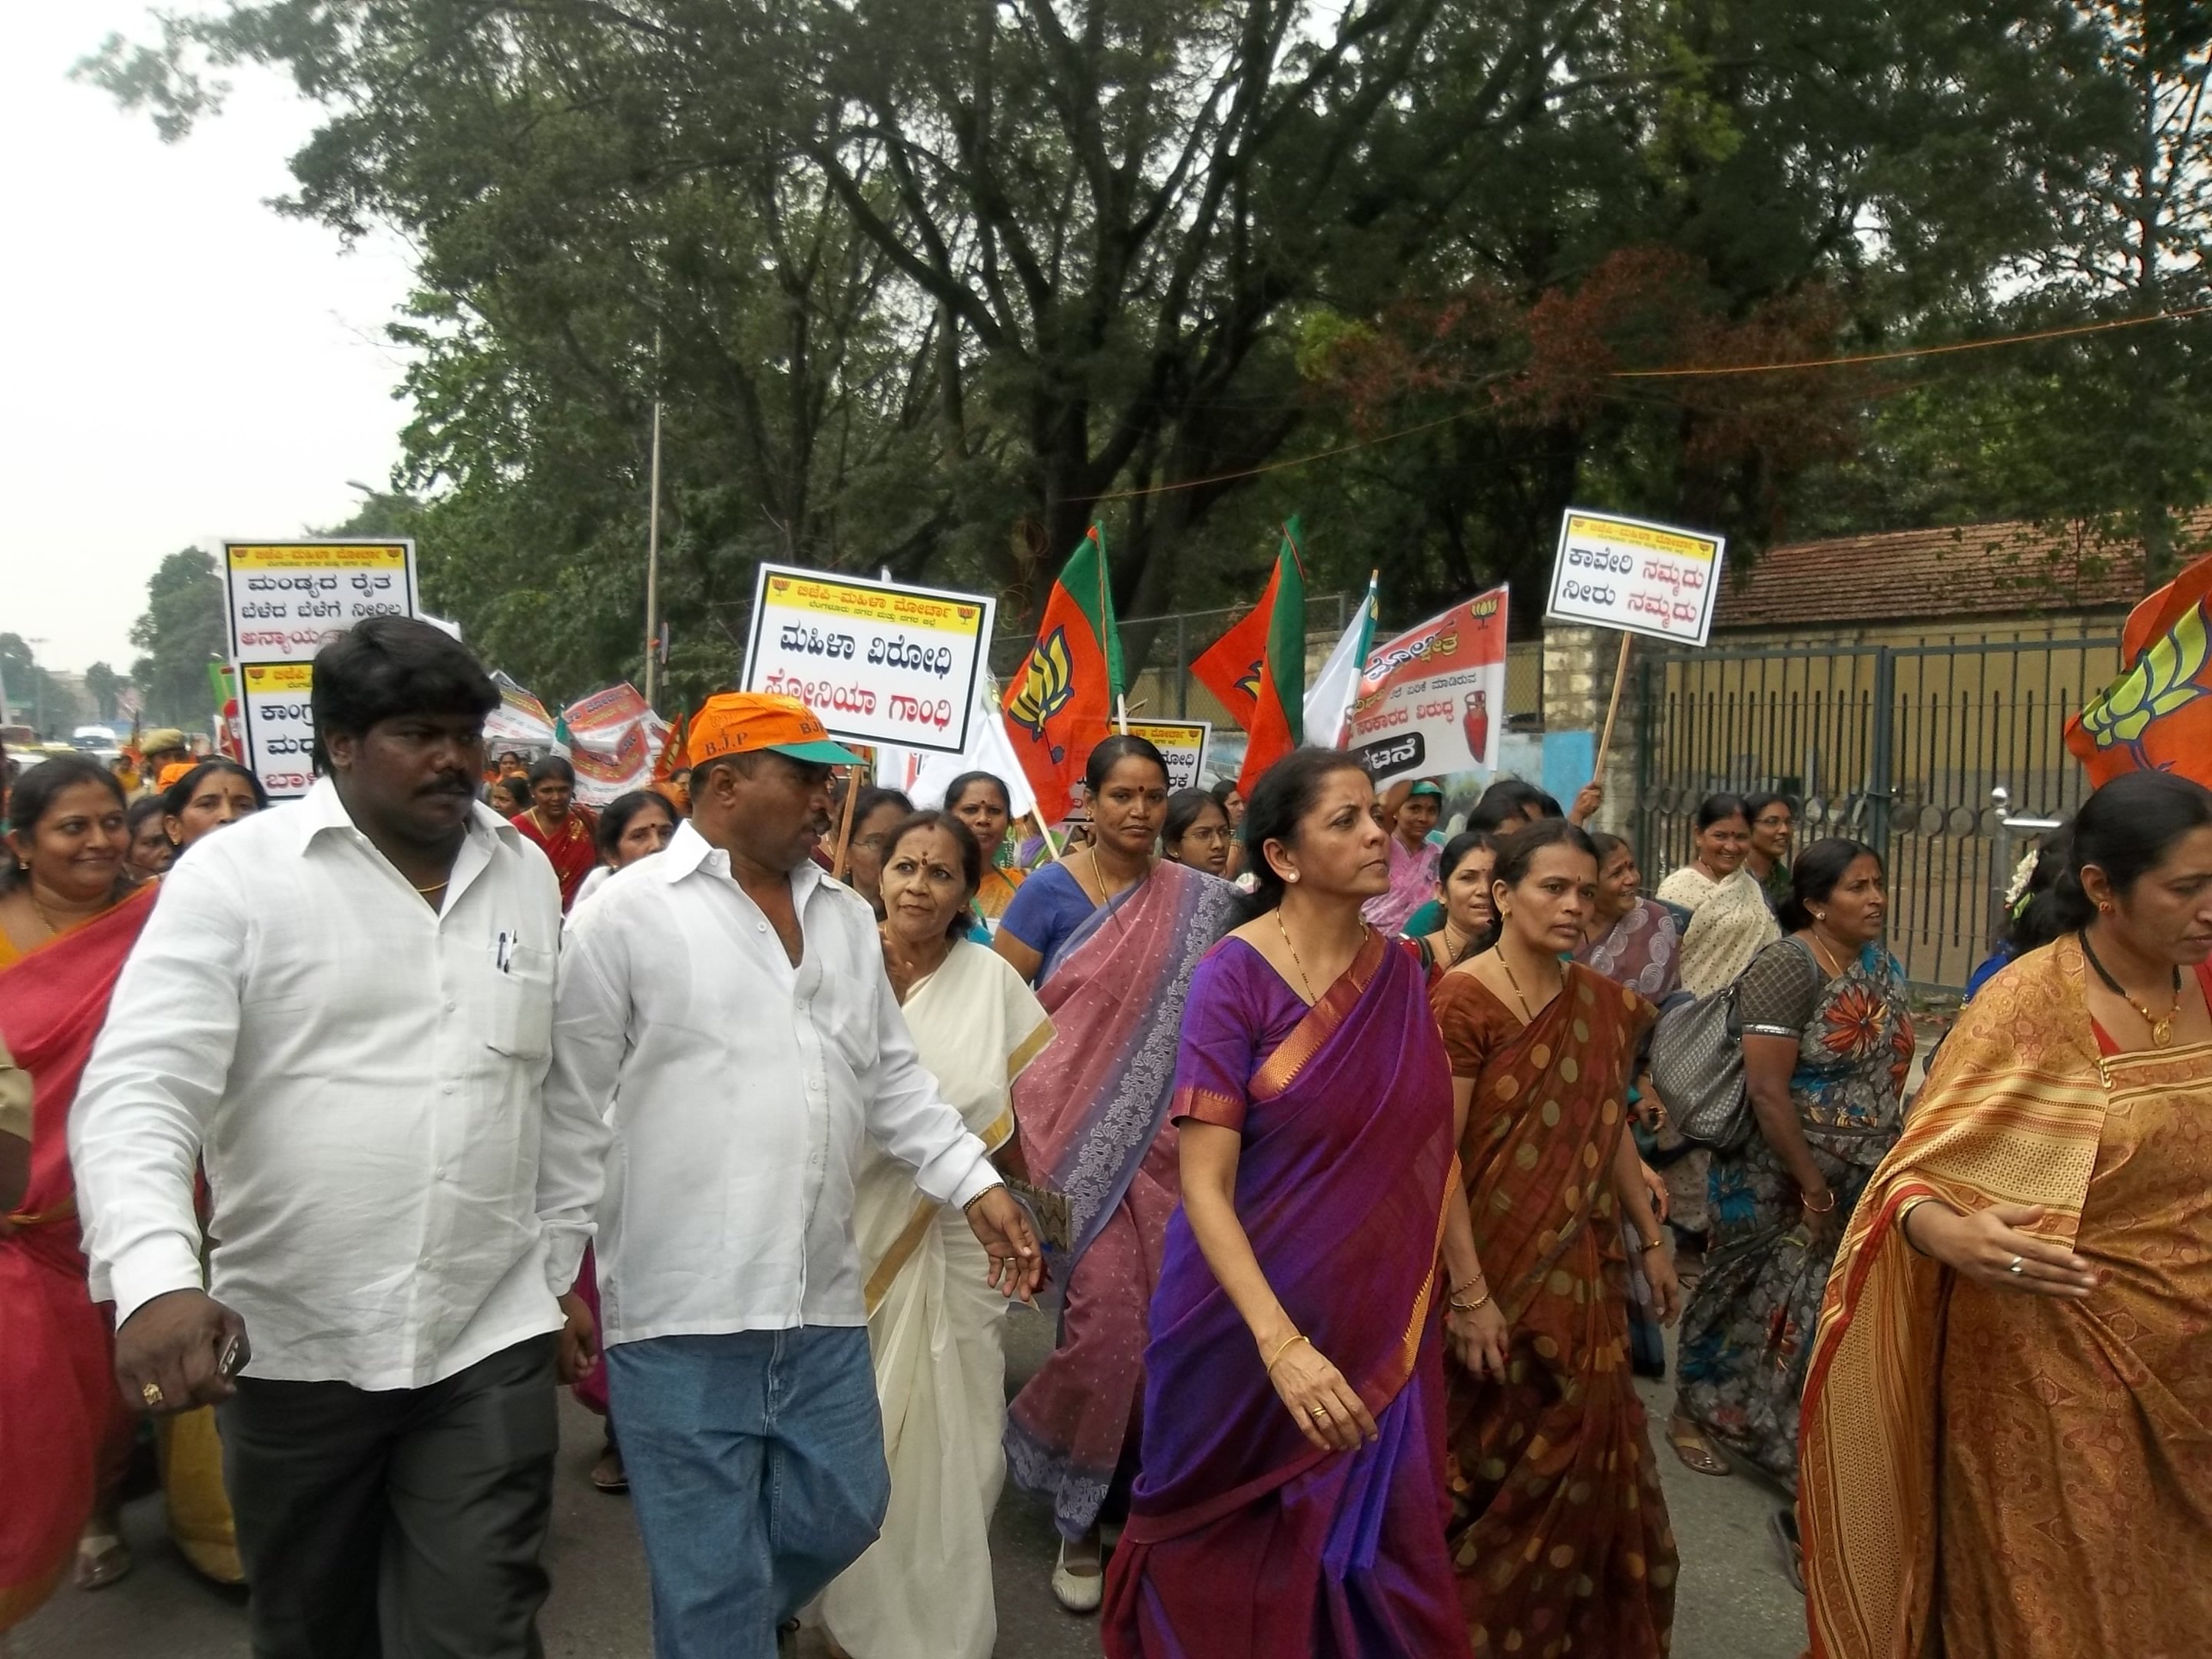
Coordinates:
1290	876
2106	905
1819	915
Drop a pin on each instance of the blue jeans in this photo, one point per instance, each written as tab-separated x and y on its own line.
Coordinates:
755	1464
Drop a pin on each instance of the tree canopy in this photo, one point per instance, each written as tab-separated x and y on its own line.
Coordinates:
929	285
180	632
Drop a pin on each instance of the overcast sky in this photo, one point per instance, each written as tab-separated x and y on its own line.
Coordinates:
182	363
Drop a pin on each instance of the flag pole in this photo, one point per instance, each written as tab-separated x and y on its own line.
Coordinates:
845	822
1613	708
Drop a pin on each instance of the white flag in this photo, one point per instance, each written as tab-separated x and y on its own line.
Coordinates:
1328	697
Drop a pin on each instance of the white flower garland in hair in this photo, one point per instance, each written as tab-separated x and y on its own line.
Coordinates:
2021	873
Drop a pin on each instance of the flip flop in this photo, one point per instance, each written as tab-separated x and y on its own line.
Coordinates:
1694	1450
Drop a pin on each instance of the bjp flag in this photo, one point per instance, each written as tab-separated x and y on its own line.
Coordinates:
1060	703
1258	668
2157	716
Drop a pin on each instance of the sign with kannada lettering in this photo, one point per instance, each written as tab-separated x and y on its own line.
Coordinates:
1431	702
1645	578
878	663
1182	744
279	724
287	599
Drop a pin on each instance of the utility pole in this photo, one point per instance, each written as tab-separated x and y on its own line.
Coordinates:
653	547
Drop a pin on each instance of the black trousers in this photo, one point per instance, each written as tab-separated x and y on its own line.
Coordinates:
395	1524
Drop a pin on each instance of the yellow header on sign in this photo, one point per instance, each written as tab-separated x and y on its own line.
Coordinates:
318	556
1701	548
1170	734
876	605
266	679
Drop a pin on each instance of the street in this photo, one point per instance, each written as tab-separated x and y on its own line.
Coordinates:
1734	1601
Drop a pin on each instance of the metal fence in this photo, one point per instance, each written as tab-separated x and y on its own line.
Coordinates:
1900	746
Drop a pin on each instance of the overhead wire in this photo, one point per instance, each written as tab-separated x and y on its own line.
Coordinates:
1702	371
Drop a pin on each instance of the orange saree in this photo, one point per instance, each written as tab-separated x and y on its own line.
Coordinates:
1560	1532
1987	1474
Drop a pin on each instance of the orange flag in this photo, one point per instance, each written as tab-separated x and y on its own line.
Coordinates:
1060	702
2157	716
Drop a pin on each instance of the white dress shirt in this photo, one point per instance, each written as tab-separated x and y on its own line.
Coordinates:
363	1076
738	1088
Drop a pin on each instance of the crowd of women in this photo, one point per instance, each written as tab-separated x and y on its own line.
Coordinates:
1372	1216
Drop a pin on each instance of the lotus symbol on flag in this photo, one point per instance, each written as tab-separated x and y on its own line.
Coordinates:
1047	685
2163	681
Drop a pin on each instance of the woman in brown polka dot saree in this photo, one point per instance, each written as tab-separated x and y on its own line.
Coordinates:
1558	1533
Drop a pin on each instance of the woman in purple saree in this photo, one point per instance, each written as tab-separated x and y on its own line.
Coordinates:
1291	1499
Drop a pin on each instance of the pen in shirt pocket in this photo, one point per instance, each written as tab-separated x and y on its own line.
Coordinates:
504	952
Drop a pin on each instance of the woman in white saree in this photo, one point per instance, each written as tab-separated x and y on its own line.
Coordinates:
934	1324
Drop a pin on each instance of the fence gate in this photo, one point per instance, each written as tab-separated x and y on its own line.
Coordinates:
1899	746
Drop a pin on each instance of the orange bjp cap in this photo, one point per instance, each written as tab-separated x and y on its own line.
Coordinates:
747	722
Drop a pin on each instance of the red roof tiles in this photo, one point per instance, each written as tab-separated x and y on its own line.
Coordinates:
1906	575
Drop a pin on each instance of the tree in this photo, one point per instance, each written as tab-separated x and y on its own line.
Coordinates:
180	633
928	285
106	688
35	696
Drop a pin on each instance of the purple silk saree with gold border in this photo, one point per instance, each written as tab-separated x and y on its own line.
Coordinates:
1243	1539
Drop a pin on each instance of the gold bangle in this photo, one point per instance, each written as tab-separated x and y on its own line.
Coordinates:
1289	1342
1649	1244
1828	1208
1457	1306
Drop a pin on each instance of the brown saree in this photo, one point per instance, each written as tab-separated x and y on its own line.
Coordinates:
1559	1532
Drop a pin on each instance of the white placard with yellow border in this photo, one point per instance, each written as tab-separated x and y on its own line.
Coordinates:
1645	578
284	600
877	663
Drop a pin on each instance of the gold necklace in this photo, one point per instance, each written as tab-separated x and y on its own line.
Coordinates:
2161	1029
45	918
1296	961
1454	951
1527	1014
1099	875
1826	961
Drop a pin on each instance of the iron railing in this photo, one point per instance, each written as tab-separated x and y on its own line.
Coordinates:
1896	745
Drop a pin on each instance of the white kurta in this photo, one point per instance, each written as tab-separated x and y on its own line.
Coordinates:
935	1328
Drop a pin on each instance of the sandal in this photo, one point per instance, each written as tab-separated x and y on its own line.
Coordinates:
1691	1445
102	1558
1781	1528
1078	1579
608	1475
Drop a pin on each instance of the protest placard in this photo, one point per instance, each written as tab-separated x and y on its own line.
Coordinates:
1643	578
877	663
613	736
283	600
279	726
1182	745
1432	701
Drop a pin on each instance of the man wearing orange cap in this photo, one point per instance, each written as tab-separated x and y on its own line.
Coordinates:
723	1008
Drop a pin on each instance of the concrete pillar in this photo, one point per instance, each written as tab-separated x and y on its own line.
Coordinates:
1578	672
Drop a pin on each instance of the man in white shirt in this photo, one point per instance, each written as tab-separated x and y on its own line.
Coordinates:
343	1006
726	1003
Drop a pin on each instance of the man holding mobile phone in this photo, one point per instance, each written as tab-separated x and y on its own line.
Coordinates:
343	1007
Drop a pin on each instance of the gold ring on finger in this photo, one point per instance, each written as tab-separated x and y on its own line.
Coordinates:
151	1393
1318	1411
